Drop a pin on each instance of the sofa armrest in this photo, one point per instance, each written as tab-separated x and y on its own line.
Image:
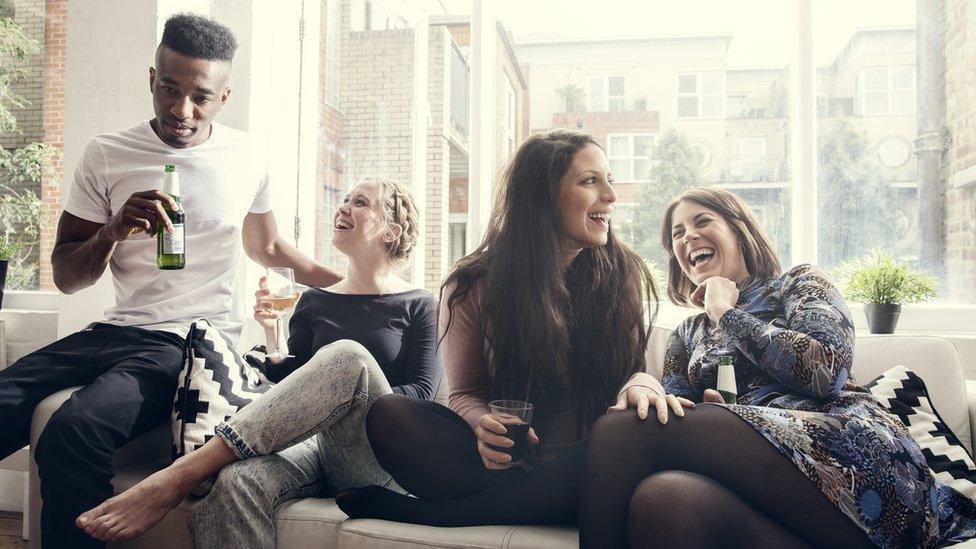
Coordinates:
971	403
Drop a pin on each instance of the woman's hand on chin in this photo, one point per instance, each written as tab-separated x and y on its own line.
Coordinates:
716	295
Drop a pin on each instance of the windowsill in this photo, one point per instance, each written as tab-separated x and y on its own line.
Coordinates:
31	300
964	179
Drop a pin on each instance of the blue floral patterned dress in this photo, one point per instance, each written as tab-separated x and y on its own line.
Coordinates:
793	344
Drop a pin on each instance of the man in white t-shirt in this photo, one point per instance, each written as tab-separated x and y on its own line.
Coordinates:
129	363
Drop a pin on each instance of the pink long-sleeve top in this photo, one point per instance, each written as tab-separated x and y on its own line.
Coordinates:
464	354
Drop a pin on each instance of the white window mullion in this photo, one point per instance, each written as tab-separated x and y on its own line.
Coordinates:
803	123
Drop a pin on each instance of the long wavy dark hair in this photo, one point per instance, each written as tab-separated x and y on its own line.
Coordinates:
758	253
546	322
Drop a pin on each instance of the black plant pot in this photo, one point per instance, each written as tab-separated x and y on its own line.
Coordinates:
3	279
882	319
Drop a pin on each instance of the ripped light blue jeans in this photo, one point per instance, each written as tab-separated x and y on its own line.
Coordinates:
305	437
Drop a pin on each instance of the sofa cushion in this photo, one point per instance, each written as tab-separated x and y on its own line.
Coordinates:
903	393
380	534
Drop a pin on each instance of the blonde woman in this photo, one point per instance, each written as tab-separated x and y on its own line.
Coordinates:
369	335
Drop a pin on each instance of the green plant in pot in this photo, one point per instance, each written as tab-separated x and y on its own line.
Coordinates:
883	284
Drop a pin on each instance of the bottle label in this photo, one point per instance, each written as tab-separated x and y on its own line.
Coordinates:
173	242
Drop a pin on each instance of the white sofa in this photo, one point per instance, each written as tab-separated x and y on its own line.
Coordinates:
319	523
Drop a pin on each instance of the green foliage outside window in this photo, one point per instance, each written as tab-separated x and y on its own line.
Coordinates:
857	206
21	211
675	169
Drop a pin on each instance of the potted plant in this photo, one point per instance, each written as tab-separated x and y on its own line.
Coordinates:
8	247
882	284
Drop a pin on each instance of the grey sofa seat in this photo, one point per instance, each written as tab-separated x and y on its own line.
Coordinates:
319	523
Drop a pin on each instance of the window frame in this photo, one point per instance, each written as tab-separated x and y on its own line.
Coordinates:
605	99
509	118
699	95
861	90
631	157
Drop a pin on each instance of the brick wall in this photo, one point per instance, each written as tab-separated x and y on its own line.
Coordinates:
55	72
329	157
438	157
960	208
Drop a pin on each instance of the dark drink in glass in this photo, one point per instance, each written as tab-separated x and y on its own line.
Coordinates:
516	416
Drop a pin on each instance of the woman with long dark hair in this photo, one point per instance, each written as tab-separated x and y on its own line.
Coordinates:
805	458
549	309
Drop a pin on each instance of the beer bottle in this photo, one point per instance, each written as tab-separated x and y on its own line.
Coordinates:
726	380
170	253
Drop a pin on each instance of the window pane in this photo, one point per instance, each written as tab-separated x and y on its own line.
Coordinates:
712	82
643	145
903	77
687	83
616	85
876	103
619	146
867	180
642	169
712	106
903	102
621	170
875	78
616	104
688	106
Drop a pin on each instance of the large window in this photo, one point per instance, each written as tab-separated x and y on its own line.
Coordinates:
701	95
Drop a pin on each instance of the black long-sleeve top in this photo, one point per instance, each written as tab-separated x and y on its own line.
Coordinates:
399	330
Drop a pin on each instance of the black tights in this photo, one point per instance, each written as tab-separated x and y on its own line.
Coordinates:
432	453
705	480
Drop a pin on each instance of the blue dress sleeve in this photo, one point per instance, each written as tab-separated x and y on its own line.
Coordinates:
675	376
813	353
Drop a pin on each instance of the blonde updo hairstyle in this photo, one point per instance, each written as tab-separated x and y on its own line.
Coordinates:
399	209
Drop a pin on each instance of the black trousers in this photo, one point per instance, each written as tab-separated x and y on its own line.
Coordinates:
129	376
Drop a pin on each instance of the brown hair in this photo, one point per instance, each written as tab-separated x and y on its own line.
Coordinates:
760	257
399	209
586	321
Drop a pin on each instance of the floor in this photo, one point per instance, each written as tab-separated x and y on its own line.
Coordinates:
11	525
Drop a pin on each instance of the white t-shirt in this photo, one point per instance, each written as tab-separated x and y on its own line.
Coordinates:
221	180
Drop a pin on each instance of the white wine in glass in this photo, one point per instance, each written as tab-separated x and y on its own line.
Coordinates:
283	296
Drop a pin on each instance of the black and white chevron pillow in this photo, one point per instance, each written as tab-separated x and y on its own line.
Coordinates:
214	384
903	393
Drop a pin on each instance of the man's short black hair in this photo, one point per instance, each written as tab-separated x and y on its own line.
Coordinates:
199	37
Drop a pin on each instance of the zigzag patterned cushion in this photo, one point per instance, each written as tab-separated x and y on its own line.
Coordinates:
214	384
903	393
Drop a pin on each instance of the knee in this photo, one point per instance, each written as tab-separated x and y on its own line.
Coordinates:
661	499
382	423
236	484
613	430
65	435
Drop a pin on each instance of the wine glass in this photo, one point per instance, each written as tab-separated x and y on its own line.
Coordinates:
283	296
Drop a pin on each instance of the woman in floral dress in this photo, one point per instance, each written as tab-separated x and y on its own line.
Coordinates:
805	458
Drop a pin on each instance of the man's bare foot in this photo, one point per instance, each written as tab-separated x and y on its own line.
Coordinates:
131	513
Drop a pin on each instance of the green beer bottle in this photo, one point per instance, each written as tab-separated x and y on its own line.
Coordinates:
726	380
170	252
